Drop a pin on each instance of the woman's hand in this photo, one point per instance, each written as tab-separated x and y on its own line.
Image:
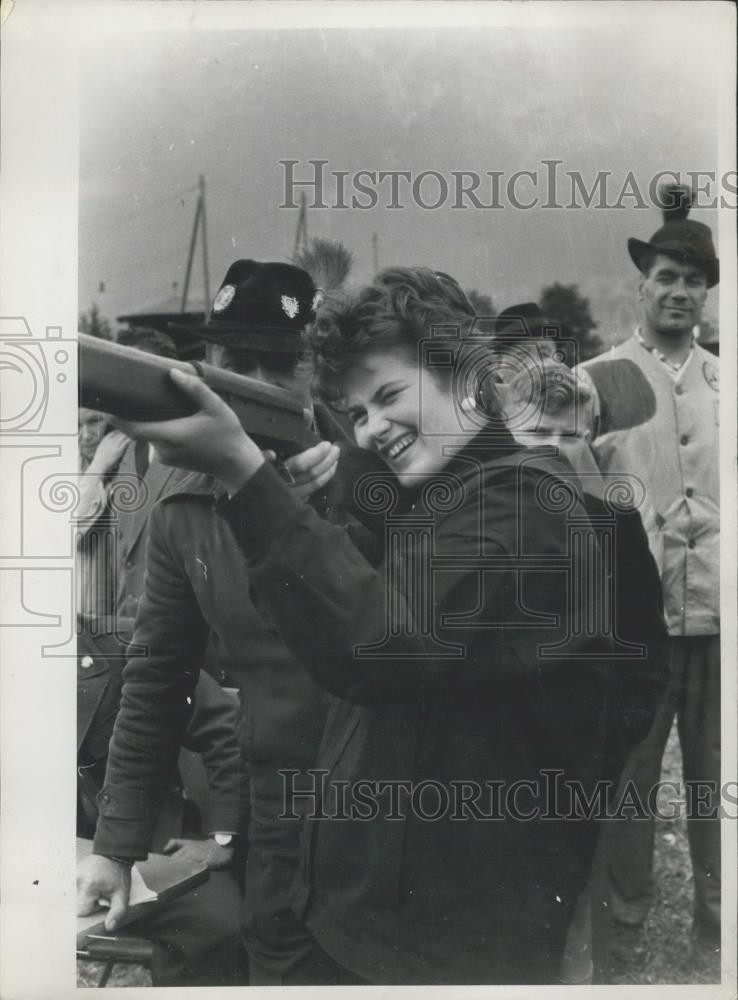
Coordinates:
210	440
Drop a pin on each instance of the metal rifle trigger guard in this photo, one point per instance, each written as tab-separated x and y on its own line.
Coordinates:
284	473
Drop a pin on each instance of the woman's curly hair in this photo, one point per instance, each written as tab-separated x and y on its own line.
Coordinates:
400	309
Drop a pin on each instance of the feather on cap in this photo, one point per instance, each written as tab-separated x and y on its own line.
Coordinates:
679	237
328	262
675	201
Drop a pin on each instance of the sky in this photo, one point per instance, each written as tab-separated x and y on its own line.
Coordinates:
158	110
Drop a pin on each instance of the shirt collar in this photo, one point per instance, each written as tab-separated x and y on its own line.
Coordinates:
671	367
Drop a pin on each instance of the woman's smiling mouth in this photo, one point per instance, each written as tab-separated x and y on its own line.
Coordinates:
399	446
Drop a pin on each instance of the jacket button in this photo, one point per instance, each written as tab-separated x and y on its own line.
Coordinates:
679	390
689	491
684	439
106	799
691	543
86	662
129	563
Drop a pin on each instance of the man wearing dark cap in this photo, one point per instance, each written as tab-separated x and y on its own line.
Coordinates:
197	583
655	414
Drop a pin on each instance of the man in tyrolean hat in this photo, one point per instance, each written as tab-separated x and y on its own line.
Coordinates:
655	415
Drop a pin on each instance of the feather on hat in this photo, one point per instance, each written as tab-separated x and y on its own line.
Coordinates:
679	237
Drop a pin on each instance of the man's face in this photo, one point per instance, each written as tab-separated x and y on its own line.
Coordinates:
673	294
90	431
292	378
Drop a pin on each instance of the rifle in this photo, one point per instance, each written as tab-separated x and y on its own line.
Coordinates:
134	385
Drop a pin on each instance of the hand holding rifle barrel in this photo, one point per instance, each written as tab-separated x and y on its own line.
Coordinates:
200	417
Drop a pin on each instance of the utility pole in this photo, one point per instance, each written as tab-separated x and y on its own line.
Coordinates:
375	253
205	268
199	220
301	233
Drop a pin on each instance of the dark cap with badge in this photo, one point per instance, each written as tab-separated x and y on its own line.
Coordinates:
679	237
522	322
260	307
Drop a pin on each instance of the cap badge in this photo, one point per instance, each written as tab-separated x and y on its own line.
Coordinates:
224	298
290	305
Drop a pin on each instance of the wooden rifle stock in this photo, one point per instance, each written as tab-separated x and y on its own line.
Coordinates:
134	385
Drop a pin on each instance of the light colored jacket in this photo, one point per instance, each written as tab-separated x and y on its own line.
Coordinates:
665	430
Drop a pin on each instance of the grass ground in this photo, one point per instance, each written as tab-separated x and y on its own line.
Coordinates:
666	936
668	956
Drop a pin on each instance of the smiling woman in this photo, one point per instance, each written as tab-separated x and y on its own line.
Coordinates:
463	678
370	361
457	667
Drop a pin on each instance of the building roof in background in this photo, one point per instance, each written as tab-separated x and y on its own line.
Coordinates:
169	307
160	315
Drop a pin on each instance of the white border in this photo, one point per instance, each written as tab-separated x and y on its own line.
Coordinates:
38	231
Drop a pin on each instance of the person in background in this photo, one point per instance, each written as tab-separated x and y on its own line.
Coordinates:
95	562
541	396
92	428
102	522
656	414
138	464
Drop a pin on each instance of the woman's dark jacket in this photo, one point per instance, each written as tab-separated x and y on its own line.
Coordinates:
463	665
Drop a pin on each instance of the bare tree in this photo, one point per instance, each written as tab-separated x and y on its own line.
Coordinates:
94	324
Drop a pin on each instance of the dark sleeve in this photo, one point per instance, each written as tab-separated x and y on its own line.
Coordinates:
369	634
213	733
156	703
640	680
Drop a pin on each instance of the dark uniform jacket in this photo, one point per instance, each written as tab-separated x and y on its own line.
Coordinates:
461	662
211	732
157	481
197	582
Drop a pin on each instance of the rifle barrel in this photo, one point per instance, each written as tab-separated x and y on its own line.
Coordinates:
135	385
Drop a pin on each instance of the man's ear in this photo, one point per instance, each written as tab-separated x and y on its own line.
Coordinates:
640	287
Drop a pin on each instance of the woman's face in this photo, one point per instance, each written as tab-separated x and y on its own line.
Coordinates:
403	412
